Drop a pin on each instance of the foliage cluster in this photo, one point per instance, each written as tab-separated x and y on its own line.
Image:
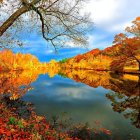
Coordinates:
122	56
53	68
19	61
63	60
13	126
17	83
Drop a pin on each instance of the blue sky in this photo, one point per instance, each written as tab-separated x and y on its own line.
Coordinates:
110	17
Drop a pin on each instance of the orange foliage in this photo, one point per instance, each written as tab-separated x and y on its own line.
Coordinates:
125	50
93	59
11	61
17	83
78	58
119	38
128	47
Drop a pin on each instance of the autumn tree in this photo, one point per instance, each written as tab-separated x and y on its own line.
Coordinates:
10	61
58	21
126	47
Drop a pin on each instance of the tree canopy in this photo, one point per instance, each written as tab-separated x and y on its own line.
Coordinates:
127	46
59	21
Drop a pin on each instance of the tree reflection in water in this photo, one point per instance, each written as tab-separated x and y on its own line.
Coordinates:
16	83
125	95
126	99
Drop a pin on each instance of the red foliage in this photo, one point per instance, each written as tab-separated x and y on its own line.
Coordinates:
12	127
94	52
78	58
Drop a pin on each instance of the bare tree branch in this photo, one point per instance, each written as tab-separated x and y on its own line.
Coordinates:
58	19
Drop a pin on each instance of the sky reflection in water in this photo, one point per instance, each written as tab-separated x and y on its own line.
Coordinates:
53	96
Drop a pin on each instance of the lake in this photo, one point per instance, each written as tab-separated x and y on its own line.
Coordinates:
97	98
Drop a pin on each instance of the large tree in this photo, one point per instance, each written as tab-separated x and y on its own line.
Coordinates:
57	20
127	46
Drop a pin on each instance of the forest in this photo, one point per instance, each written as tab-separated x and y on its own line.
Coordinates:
123	56
99	89
20	70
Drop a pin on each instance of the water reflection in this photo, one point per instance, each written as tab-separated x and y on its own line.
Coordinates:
17	83
124	95
126	99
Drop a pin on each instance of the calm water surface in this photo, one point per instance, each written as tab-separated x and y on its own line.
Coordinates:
85	96
97	102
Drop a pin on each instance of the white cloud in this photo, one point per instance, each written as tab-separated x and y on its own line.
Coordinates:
113	15
50	51
110	17
102	10
69	93
91	40
70	44
98	41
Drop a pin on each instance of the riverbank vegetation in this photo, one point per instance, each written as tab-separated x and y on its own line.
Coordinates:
19	121
61	22
17	117
122	56
10	61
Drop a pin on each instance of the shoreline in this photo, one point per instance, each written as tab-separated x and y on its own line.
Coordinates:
105	70
97	70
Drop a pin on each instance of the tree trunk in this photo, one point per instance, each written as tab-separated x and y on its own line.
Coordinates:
12	19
